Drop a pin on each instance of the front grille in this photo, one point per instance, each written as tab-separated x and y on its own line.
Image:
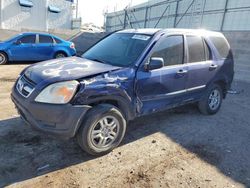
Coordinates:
25	86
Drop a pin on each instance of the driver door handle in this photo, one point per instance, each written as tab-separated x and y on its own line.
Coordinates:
181	72
213	67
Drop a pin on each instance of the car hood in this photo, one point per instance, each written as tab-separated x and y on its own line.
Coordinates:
66	69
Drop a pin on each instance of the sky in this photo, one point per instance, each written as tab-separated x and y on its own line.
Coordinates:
92	10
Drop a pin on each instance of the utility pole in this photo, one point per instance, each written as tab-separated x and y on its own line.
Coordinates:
77	1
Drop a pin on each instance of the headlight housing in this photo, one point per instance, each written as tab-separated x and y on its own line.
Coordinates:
58	93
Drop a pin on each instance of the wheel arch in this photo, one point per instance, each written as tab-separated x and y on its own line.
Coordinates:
7	55
61	51
224	86
120	104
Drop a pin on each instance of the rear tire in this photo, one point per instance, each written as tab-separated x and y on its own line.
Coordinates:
59	55
210	104
3	58
102	131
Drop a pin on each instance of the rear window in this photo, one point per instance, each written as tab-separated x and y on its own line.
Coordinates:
208	51
45	39
196	49
222	46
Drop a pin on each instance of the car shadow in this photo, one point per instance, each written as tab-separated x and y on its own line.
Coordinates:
21	62
26	153
221	140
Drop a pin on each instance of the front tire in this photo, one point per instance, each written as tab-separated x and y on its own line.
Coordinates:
102	131
211	102
3	58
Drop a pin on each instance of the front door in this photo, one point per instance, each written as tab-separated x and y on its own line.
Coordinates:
163	88
24	48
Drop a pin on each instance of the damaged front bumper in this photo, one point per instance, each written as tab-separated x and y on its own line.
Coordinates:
60	120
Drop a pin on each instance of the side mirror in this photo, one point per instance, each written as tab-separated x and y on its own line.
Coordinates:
18	42
154	63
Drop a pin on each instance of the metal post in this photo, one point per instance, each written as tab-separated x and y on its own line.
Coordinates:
224	14
176	13
146	17
203	9
185	12
125	18
77	9
136	21
162	16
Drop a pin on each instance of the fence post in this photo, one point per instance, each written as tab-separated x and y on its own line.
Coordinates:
176	13
146	17
125	19
203	9
224	14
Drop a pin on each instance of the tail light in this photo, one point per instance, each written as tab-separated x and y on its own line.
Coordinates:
72	45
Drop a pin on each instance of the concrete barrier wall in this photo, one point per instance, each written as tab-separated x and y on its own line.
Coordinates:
38	17
240	44
85	40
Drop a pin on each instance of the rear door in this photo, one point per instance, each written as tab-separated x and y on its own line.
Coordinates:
45	47
201	67
163	88
24	49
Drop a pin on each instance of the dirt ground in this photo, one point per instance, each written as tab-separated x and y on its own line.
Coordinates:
178	148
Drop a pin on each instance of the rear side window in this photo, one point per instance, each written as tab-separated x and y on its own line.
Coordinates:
208	51
28	39
45	39
196	49
171	49
222	46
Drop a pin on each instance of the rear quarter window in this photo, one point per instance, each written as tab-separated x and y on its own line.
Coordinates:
58	41
222	47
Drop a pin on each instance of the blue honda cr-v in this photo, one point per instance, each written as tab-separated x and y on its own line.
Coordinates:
128	74
35	47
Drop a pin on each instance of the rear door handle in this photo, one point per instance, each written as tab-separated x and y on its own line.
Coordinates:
213	67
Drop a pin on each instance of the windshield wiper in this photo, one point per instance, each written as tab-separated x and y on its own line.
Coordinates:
102	61
99	60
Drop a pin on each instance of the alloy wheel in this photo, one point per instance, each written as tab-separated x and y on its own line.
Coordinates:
214	99
60	56
105	132
2	58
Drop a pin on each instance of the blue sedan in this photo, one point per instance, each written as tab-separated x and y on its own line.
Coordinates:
35	47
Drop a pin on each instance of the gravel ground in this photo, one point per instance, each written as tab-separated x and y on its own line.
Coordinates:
177	148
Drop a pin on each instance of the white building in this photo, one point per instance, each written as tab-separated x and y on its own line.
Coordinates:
41	15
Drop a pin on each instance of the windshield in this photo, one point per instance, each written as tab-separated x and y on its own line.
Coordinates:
119	49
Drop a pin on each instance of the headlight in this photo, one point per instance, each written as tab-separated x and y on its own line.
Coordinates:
58	93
